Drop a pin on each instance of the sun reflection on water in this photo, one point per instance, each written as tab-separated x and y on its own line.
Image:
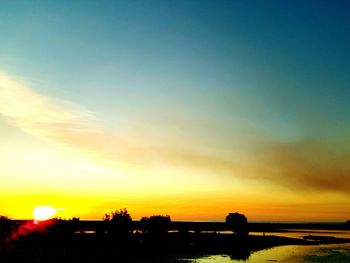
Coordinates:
289	254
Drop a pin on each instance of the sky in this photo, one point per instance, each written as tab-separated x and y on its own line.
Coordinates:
188	108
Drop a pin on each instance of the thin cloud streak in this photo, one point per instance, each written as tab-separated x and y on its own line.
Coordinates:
308	164
43	116
301	165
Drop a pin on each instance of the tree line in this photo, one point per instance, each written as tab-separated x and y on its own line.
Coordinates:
119	223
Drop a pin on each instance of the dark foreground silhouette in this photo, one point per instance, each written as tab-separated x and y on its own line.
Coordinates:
152	239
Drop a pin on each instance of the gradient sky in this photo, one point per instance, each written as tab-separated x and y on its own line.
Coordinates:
189	108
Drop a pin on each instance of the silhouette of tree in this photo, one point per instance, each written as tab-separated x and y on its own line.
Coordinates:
156	225
121	216
4	220
5	226
62	228
238	223
107	217
119	223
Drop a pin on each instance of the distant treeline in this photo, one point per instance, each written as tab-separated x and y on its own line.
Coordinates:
117	235
119	238
121	220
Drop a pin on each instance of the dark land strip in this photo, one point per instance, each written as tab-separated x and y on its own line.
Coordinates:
98	241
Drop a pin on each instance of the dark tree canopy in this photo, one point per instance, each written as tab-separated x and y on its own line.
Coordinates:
63	228
118	216
5	226
119	223
4	219
238	223
5	222
156	225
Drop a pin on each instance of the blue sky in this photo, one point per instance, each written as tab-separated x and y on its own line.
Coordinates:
262	60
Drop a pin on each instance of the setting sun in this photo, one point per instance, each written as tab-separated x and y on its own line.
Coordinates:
41	213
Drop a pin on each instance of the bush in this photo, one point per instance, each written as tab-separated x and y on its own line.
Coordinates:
238	223
156	225
5	226
119	223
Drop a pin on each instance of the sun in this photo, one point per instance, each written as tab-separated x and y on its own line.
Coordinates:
41	213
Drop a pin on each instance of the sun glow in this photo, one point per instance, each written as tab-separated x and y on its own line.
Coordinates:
41	213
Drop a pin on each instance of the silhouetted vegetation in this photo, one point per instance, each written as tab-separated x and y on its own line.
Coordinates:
155	230
121	216
238	223
62	228
118	238
119	223
156	225
5	227
4	222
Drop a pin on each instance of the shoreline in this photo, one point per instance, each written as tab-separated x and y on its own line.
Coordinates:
48	247
96	241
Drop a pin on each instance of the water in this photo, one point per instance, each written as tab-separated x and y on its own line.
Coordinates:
299	233
288	254
292	254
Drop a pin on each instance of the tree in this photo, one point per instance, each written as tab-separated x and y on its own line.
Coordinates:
5	226
156	225
238	223
4	220
63	228
119	222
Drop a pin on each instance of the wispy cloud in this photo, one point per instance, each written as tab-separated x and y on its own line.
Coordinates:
43	116
307	164
68	124
304	164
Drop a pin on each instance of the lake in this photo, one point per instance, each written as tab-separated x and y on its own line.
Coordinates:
288	254
292	253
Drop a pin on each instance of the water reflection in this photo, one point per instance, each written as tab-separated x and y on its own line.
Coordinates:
240	254
288	254
299	233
